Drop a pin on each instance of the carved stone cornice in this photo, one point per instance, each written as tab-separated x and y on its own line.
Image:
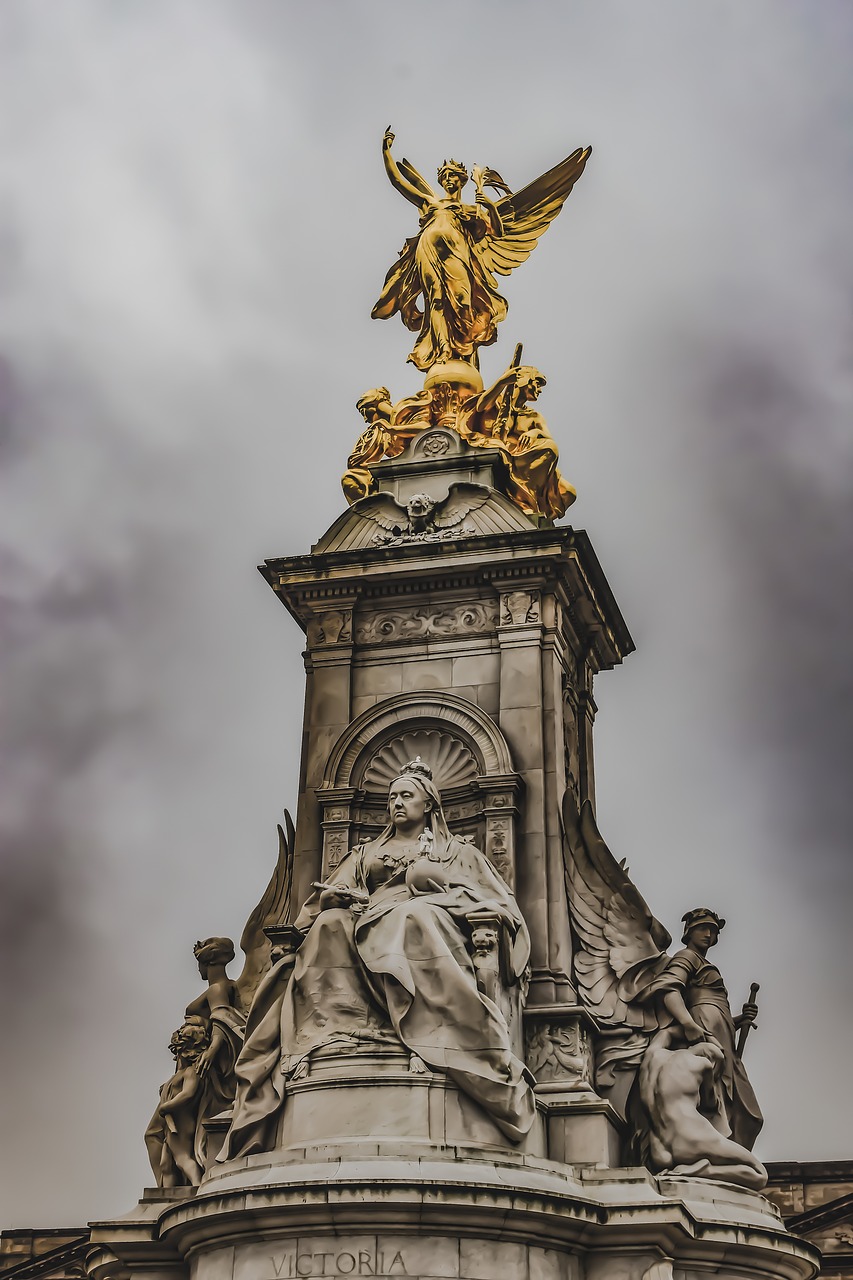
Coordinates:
556	559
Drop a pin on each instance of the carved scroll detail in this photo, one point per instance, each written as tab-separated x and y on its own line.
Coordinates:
427	624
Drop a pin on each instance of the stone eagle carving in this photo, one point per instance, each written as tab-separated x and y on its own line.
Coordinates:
422	518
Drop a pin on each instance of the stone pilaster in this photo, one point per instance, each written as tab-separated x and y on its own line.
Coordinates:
519	636
328	708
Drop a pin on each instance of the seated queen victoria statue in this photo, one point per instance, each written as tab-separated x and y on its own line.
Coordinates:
387	948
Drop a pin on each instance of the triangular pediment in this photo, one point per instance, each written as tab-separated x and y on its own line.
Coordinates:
380	520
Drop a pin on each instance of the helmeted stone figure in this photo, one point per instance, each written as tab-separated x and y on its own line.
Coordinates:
638	992
694	994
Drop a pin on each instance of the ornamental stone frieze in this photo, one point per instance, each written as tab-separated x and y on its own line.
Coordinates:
470	618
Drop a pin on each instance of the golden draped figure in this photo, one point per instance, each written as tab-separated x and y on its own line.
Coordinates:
500	417
443	283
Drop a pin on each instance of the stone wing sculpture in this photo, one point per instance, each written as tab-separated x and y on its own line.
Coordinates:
668	1057
620	945
463	499
272	909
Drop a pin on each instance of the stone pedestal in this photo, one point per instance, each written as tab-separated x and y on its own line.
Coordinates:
476	651
479	654
382	1210
379	1092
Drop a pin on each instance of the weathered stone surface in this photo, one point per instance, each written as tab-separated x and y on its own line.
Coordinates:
384	1118
342	1210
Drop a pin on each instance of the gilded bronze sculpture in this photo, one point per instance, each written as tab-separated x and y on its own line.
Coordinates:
382	437
500	417
443	283
444	286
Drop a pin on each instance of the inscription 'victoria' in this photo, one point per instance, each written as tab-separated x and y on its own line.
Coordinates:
332	1264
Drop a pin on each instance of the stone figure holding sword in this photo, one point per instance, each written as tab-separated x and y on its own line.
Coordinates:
669	1058
694	994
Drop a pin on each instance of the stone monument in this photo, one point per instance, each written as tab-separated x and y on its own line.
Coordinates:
459	1046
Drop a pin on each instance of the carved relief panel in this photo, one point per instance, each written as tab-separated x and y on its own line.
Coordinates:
559	1053
329	627
427	622
571	737
336	827
519	608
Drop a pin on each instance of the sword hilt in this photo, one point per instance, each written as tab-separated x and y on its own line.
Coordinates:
744	1031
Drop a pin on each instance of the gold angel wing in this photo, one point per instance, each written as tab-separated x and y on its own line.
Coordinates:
464	498
620	946
527	213
273	908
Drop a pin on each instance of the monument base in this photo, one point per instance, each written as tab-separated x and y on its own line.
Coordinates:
376	1210
381	1092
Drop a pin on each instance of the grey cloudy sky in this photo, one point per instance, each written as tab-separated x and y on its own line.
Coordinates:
194	224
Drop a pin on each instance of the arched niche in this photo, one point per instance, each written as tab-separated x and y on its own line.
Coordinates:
467	752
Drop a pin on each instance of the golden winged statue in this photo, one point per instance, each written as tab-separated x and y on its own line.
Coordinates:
443	283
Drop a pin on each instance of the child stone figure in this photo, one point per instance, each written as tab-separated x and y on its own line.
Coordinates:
170	1137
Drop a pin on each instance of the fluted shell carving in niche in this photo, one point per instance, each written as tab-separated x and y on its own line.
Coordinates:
452	764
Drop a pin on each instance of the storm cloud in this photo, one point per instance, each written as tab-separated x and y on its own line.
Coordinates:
194	224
